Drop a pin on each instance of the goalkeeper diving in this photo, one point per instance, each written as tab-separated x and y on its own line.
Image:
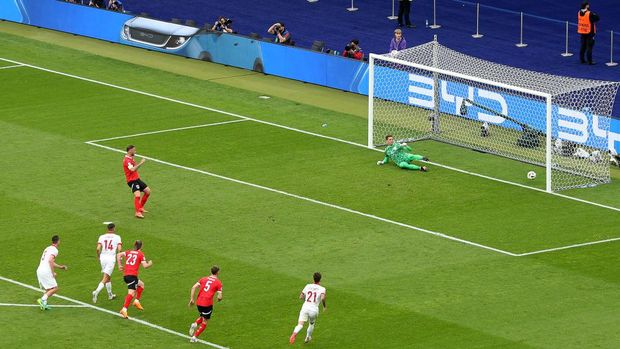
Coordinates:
400	154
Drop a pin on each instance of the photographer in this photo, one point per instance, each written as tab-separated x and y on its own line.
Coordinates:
115	5
282	36
223	25
96	3
353	50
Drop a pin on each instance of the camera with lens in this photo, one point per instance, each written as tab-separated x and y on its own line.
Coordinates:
353	45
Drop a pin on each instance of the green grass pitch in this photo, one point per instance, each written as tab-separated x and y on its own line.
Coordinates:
270	205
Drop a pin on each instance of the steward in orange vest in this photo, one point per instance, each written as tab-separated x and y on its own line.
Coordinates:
586	27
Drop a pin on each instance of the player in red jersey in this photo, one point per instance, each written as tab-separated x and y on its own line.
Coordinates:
133	259
209	286
134	182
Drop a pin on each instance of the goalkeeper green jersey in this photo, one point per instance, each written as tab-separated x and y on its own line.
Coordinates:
397	153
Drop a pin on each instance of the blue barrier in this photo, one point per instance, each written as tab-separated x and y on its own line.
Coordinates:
235	50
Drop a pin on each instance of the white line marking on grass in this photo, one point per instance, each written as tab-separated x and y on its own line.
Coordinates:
258	186
567	247
298	130
524	186
12	66
86	305
37	306
170	130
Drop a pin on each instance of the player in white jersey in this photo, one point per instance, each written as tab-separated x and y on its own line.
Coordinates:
107	246
46	274
312	295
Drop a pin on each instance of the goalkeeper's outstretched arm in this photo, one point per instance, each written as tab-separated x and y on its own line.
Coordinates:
385	160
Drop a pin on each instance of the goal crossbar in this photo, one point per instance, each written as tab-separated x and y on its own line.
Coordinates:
374	56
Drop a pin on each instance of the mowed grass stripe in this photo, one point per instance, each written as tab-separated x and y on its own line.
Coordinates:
83	111
307	132
347	177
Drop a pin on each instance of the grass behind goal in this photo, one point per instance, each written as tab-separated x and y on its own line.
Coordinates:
388	286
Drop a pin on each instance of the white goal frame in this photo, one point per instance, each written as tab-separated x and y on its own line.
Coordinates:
546	96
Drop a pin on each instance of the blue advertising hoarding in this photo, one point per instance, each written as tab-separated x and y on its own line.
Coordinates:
289	62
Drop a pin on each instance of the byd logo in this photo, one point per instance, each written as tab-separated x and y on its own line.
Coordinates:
572	125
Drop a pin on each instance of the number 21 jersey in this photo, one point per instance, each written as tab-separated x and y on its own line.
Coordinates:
313	294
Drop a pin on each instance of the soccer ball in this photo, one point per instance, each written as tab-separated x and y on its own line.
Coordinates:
531	175
394	53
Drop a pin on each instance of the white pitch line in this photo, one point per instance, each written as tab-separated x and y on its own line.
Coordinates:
299	130
86	305
170	130
258	186
567	247
37	306
12	66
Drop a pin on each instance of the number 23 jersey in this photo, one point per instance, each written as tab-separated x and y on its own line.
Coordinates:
133	259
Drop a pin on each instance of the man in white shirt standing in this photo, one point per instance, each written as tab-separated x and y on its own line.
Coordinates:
46	274
312	295
107	246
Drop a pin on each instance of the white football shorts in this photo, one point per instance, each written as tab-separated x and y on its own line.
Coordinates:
308	314
107	265
46	280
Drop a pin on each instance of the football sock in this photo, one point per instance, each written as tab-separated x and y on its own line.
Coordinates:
127	301
139	292
44	297
108	287
144	198
309	330
99	287
136	203
198	321
200	329
297	329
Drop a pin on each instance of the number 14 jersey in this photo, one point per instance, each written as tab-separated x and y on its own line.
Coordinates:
109	243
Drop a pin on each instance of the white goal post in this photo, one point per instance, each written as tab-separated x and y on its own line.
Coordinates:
433	92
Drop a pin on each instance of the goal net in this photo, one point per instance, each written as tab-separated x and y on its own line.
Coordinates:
433	92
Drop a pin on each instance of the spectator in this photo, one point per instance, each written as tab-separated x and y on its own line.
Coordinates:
353	50
74	1
398	43
223	24
586	27
115	5
404	7
282	36
96	3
